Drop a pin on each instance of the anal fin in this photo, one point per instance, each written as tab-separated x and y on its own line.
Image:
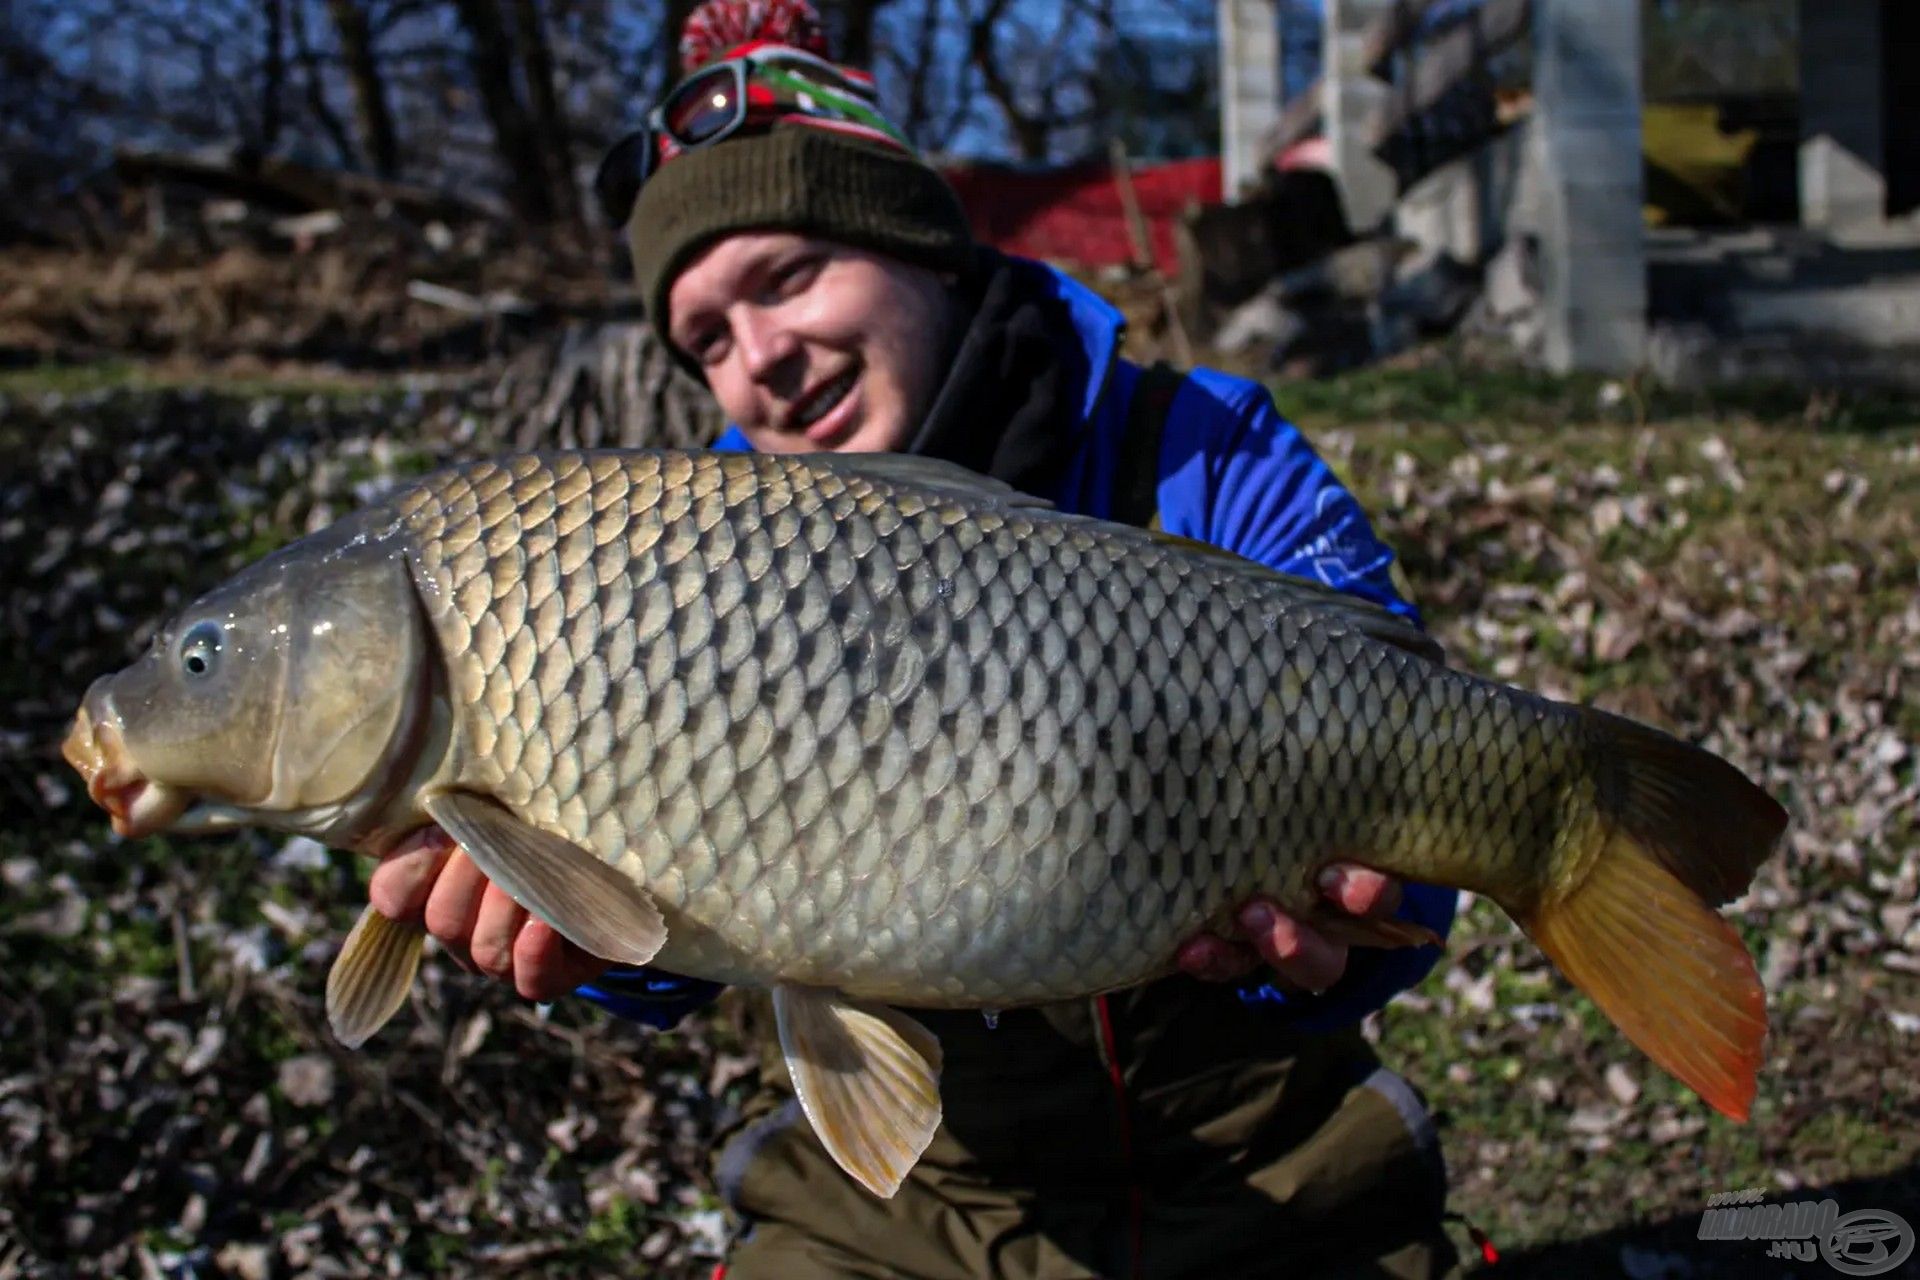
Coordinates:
868	1078
584	899
371	976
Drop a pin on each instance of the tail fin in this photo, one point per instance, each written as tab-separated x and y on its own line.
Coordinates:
1637	932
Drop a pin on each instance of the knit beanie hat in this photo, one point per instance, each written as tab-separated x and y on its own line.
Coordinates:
788	171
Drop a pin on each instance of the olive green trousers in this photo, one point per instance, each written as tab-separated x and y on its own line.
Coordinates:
1169	1131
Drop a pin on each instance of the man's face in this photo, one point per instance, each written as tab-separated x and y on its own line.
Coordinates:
810	345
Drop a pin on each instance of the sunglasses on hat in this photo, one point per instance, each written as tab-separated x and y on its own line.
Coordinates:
712	104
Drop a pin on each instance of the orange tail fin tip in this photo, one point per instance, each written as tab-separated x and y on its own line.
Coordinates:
1639	933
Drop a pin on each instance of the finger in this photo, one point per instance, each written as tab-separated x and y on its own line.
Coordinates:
400	885
494	931
1298	953
547	966
454	903
1214	959
1361	890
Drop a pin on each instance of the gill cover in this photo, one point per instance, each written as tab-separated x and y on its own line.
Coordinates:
352	675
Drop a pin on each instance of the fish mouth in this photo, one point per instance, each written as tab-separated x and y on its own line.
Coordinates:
138	805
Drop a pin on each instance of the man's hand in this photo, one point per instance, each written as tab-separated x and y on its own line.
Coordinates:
1302	957
427	881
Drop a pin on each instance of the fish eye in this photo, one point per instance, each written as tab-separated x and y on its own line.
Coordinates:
200	649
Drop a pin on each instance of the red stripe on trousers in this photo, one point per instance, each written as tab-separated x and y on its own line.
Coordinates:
1136	1200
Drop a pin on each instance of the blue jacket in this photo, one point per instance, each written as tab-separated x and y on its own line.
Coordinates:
1233	473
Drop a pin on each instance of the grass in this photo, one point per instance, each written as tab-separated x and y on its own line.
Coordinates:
98	377
1442	390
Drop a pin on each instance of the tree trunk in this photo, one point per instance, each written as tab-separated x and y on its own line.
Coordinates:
855	47
1030	133
919	72
678	11
371	113
314	85
552	139
273	74
490	60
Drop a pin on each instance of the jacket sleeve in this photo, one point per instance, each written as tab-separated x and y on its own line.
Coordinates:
1269	496
648	995
1265	493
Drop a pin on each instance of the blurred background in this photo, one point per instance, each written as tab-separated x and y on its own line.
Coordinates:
1607	310
1710	192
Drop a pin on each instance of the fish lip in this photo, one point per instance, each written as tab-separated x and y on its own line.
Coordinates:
81	749
148	807
137	804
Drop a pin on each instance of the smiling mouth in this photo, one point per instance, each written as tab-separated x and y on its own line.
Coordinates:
821	401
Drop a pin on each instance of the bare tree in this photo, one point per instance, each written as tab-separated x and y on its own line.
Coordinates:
928	88
1040	85
678	11
313	88
512	94
552	139
273	73
852	24
490	57
915	66
611	59
370	110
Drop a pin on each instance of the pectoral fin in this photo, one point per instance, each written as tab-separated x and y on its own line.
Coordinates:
582	897
371	976
868	1078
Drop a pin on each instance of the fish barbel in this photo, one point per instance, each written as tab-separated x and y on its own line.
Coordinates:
874	731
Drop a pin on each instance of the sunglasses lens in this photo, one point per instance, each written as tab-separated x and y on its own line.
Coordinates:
616	184
704	106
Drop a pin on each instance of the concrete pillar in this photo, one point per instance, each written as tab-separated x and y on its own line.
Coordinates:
1587	140
1351	98
1250	89
1843	183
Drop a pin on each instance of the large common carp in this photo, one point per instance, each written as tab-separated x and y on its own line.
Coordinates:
874	731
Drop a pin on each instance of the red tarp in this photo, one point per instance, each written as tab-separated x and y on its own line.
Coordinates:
1075	215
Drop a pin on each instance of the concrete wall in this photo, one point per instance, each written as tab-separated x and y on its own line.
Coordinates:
1843	186
1586	144
1250	88
1351	96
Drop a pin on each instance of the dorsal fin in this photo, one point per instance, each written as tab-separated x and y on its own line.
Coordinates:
1371	620
936	475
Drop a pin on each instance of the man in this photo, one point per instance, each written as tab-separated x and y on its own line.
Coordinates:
796	253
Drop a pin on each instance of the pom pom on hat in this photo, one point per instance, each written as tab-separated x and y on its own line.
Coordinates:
839	178
720	25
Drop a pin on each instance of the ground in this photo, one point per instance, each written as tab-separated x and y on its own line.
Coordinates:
1744	571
